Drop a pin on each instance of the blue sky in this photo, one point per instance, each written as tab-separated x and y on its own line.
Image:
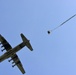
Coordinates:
53	54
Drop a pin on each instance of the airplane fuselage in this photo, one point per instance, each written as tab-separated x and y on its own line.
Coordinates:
12	51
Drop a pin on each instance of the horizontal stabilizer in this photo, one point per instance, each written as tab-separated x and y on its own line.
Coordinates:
26	41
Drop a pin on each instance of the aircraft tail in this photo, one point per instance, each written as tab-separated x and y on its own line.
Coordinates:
24	39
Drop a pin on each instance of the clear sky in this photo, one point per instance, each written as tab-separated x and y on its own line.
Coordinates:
53	54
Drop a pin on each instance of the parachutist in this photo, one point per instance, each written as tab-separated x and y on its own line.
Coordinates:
60	24
48	32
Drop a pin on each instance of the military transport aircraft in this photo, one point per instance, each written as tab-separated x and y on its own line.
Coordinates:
11	52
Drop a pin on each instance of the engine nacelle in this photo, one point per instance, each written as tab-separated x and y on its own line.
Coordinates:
15	63
2	46
2	50
9	60
12	58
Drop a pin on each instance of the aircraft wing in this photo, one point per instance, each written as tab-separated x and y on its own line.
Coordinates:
15	58
4	43
17	63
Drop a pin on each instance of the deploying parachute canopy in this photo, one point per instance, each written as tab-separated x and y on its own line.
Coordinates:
49	31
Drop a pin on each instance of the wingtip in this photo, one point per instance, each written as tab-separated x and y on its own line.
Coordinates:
32	50
24	72
21	34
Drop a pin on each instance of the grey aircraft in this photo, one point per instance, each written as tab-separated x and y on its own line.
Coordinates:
11	52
